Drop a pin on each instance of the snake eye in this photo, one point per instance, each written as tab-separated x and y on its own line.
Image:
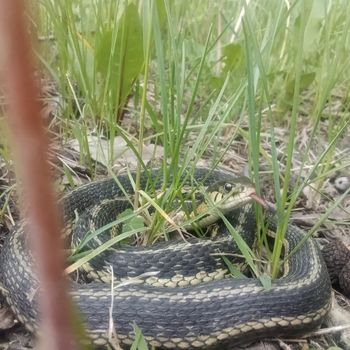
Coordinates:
228	187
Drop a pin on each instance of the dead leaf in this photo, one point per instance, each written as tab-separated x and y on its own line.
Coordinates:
100	150
313	197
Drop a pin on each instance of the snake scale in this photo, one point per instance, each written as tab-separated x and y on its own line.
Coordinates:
216	313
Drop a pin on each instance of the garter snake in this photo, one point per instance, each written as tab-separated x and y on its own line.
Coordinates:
216	313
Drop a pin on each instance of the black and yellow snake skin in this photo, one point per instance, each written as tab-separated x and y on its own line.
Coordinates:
216	313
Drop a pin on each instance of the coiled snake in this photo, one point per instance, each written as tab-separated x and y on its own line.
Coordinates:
211	314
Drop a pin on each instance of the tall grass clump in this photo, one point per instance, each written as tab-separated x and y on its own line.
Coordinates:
303	65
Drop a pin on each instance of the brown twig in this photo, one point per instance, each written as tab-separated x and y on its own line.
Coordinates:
30	143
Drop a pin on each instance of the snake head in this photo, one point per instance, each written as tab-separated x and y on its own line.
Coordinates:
227	195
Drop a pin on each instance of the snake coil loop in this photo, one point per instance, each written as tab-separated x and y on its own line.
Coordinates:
211	314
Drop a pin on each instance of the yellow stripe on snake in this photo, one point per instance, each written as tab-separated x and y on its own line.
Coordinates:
187	304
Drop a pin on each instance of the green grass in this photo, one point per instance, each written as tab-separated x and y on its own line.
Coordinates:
209	73
197	81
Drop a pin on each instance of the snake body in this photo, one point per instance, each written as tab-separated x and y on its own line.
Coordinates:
211	314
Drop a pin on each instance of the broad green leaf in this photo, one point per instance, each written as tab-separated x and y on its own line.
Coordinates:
306	79
232	55
121	59
134	223
161	12
313	29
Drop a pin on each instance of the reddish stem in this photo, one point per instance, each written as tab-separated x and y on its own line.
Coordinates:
30	145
